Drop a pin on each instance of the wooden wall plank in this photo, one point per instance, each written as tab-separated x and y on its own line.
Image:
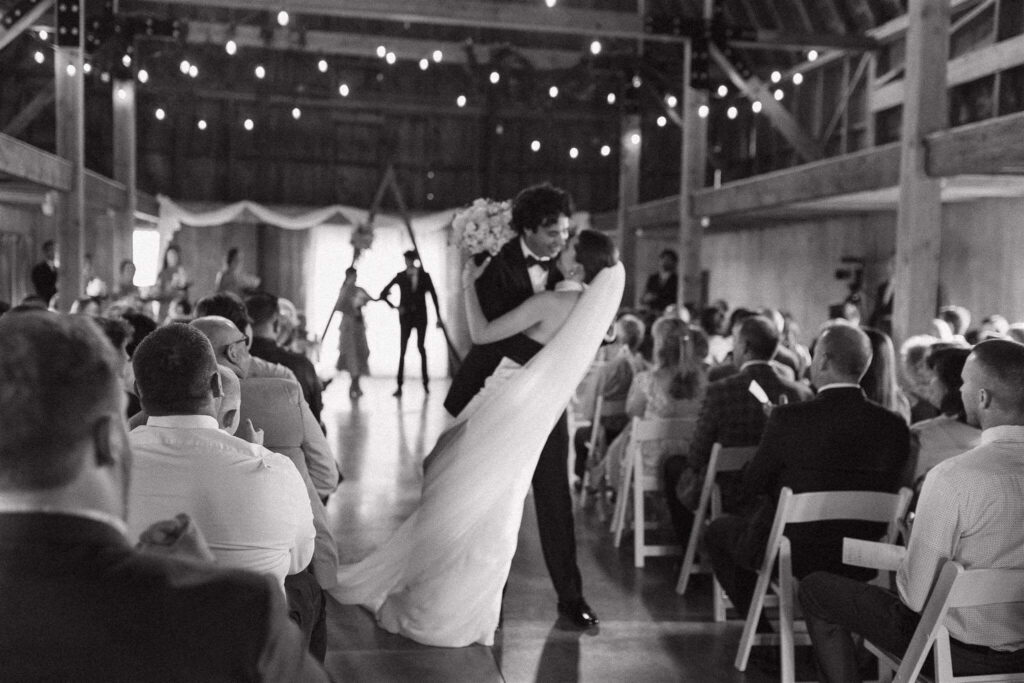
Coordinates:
992	146
25	162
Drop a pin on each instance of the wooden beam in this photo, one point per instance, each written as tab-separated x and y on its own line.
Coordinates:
125	169
986	147
630	142
69	79
364	45
103	193
23	161
755	90
919	218
470	13
869	169
36	106
782	40
693	158
844	101
26	20
968	67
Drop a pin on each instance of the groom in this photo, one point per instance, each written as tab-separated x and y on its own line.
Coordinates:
524	267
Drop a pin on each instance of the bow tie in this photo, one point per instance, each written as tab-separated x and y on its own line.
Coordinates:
546	264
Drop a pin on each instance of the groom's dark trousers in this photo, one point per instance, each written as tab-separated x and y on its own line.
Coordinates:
503	286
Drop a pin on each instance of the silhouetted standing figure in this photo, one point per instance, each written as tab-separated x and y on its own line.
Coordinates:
413	285
44	273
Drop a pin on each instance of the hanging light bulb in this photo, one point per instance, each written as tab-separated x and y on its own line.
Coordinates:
535	146
39	57
201	124
296	113
193	71
437	56
732	112
160	114
249	124
460	101
231	47
71	70
282	18
798	78
44	34
495	77
635	138
756	107
87	68
343	90
143	75
126	60
382	51
424	64
573	152
671	101
812	55
611	98
184	66
550	3
553	91
662	121
703	111
723	90
260	72
322	65
779	95
390	58
595	47
776	77
605	150
637	81
122	94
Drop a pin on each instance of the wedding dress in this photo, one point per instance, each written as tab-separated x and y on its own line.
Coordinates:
438	580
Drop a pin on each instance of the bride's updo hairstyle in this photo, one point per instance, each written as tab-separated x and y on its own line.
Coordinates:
595	251
674	356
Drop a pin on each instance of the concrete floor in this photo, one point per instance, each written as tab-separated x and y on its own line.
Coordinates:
647	632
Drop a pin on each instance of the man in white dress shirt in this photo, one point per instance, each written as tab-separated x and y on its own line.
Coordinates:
970	511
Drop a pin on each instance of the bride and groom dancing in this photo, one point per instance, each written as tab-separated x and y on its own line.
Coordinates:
537	313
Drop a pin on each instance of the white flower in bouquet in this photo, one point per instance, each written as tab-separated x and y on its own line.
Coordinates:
484	226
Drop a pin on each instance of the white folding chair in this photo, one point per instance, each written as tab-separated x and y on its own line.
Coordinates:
868	506
723	459
582	406
637	481
954	587
597	444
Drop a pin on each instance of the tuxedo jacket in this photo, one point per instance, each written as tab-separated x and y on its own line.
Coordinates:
44	280
839	441
504	285
78	603
412	305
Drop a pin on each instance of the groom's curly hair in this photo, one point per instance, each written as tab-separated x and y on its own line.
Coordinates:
539	206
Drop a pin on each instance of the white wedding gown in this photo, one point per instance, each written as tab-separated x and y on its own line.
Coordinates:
438	580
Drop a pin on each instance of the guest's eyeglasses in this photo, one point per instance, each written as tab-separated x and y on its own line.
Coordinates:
244	339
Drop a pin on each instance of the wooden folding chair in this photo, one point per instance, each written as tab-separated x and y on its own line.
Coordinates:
868	506
723	459
637	481
954	587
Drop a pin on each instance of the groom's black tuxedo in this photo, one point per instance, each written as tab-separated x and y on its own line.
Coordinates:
504	285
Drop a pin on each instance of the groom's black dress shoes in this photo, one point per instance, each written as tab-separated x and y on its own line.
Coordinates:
579	612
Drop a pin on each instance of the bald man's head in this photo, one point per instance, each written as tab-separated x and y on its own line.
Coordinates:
841	354
229	345
993	389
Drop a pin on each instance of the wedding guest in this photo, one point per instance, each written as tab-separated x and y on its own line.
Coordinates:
790	338
949	434
414	284
783	354
180	311
662	287
126	281
959	319
353	350
263	311
232	276
915	376
732	416
86	305
994	326
64	467
838	441
230	306
879	382
969	511
616	377
45	273
172	282
942	330
711	321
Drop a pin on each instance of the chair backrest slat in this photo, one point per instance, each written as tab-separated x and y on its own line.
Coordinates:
978	587
653	429
869	506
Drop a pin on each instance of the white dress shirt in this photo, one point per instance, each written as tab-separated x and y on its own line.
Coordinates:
970	511
538	274
250	503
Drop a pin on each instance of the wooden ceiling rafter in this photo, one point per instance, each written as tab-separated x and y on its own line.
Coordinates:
31	111
27	20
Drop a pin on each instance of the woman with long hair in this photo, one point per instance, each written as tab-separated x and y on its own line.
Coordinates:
353	350
879	382
172	282
949	434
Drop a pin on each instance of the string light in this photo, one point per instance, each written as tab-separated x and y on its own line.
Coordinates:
143	75
87	68
343	90
231	47
535	146
160	114
495	77
296	113
322	65
201	124
732	112
637	81
756	106
605	150
671	101
611	98
595	47
798	79
437	56
550	3
122	94
184	67
779	95
573	152
390	58
39	57
193	71
248	124
812	55
381	51
703	111
662	121
723	90
424	64
71	70
44	34
776	77
460	101
282	18
260	71
127	61
553	91
635	138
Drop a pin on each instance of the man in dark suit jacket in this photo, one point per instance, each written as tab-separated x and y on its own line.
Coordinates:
414	284
524	267
44	273
661	290
839	441
78	603
732	416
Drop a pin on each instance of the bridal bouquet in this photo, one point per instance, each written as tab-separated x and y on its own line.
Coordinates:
483	227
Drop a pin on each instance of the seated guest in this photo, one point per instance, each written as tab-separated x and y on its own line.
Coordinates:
969	511
879	382
784	367
783	354
839	441
263	312
915	377
616	376
712	320
994	326
674	387
730	415
251	503
78	602
959	320
949	434
229	305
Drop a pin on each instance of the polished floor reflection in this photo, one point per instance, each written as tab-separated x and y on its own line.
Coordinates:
647	632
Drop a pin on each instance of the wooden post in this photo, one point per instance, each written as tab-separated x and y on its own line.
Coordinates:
691	178
125	167
919	221
71	214
629	196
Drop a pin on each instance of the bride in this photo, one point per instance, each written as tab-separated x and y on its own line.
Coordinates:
438	580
